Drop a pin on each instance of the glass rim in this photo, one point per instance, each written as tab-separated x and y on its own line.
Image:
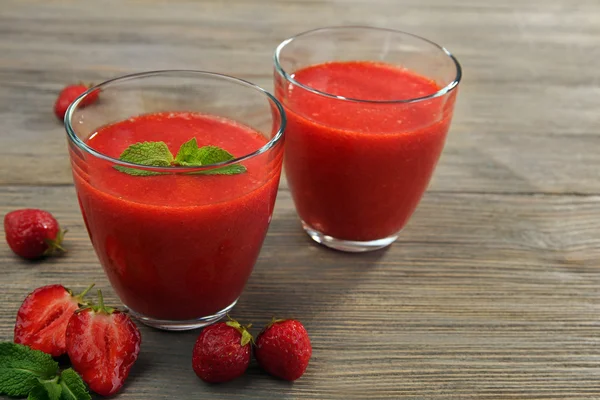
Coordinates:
441	92
173	72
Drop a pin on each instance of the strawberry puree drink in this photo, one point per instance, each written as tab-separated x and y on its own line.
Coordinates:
176	174
367	122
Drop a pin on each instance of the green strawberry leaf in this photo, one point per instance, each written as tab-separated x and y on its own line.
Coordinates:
20	368
243	329
152	154
73	387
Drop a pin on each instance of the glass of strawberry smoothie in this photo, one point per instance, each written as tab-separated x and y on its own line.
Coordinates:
176	174
368	112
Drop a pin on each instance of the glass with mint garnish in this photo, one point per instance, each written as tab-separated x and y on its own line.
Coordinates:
176	173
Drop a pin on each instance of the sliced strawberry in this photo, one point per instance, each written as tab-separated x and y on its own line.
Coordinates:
103	344
43	317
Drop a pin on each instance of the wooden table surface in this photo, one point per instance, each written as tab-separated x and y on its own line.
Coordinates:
491	291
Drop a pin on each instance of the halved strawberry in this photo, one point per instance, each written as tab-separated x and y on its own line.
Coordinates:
103	344
43	317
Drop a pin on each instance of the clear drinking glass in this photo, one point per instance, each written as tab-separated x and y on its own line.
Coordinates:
177	243
368	111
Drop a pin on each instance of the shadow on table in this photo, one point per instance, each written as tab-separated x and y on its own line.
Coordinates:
296	277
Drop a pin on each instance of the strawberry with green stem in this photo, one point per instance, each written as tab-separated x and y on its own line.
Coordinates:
222	351
103	344
43	317
32	233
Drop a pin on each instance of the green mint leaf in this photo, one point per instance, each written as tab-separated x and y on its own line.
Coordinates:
73	387
189	154
38	392
135	172
155	154
148	153
46	390
20	368
228	170
213	155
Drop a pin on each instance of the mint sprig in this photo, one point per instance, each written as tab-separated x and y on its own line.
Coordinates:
157	154
33	373
21	368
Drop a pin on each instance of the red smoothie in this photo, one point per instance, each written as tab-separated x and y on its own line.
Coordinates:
177	246
357	169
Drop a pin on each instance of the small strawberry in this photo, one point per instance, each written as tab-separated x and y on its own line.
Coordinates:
68	95
283	349
33	233
43	317
103	344
222	352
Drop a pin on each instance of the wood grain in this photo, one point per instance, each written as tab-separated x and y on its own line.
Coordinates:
526	119
483	296
492	290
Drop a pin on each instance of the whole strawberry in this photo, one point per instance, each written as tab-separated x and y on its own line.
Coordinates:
43	317
33	233
103	344
68	95
222	352
283	349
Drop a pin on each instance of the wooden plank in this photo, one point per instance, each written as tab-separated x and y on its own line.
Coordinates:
492	290
483	296
526	59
